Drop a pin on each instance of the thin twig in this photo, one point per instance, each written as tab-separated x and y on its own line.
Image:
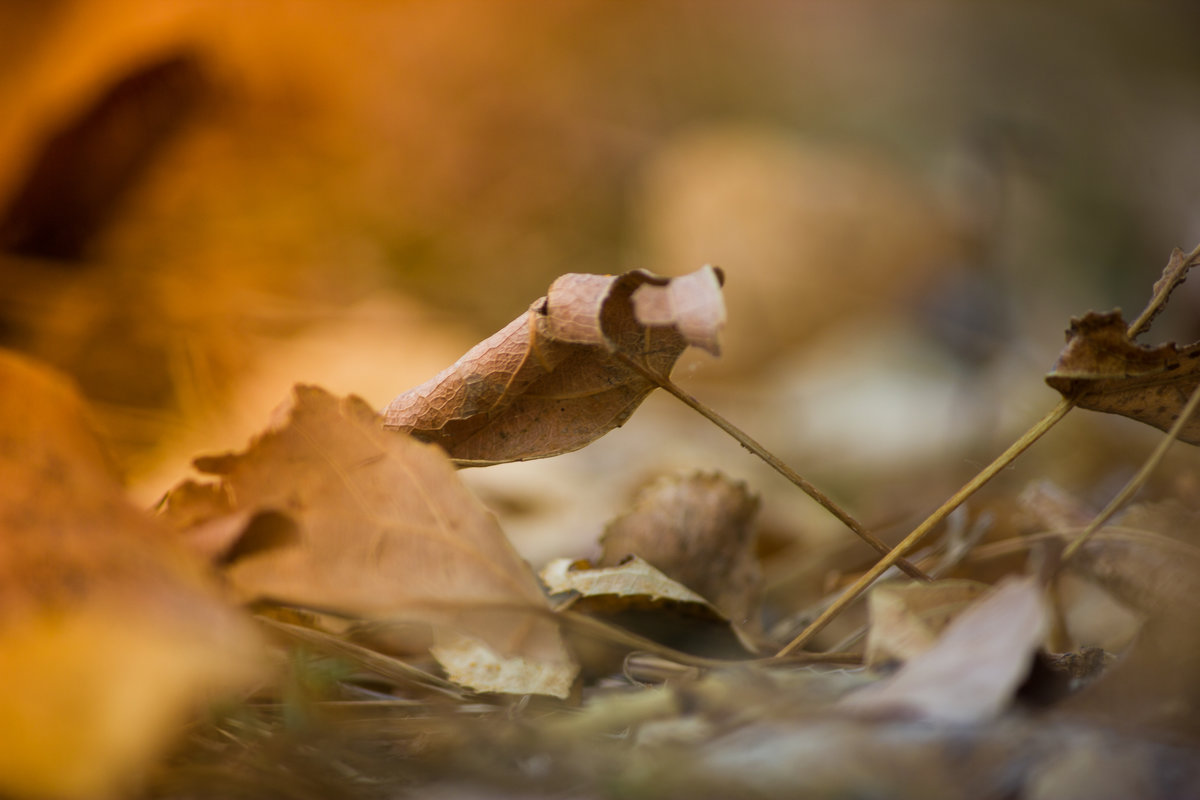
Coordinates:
370	660
1157	301
1139	480
772	461
922	530
1162	293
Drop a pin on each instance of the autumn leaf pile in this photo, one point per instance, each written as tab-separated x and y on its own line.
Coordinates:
332	612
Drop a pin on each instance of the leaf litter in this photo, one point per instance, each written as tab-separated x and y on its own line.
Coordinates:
345	533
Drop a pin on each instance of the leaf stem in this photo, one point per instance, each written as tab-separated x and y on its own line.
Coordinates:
913	539
772	461
1139	480
1163	292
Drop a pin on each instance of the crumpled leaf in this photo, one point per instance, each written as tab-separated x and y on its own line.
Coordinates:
972	671
906	618
110	632
549	382
1102	369
698	530
637	596
632	579
382	528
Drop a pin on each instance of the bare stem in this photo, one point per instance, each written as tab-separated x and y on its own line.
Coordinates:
913	539
1139	480
1162	293
783	469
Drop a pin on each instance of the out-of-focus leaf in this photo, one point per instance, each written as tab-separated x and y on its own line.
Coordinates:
548	382
906	619
1153	685
698	530
632	579
384	529
636	595
1102	369
972	671
1147	571
110	633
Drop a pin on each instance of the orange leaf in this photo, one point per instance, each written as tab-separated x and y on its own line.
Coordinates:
380	526
110	633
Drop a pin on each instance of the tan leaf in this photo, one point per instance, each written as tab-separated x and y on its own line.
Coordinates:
110	633
972	671
637	596
1147	571
698	530
1104	370
384	529
632	579
907	618
548	382
1153	684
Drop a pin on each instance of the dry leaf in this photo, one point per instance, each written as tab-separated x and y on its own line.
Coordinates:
110	633
383	528
548	382
1147	571
907	618
632	579
972	671
637	596
697	530
1102	369
1153	684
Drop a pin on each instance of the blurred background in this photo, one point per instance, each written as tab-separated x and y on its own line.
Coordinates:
202	203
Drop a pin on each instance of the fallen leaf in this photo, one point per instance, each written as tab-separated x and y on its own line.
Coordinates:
907	618
1146	571
699	531
637	596
384	529
1102	369
549	382
632	579
1153	685
110	633
975	667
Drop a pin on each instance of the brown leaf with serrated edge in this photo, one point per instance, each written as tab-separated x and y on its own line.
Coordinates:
698	530
1102	369
383	528
111	634
548	382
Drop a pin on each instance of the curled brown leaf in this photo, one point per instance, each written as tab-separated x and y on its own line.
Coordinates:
549	382
698	530
1103	369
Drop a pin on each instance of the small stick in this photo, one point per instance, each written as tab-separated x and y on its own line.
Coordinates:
783	469
1162	292
1137	481
922	530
